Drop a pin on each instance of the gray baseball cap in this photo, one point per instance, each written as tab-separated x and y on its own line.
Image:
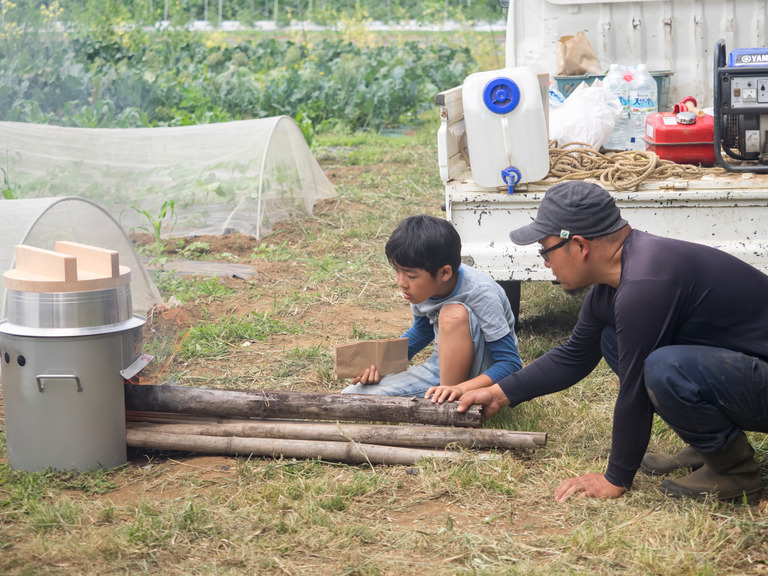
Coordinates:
571	208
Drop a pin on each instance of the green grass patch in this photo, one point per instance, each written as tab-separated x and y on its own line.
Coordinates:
215	339
273	252
188	288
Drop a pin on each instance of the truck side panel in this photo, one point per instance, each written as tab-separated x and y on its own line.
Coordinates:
729	215
678	35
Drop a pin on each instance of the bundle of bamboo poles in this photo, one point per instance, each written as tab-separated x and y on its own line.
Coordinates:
306	425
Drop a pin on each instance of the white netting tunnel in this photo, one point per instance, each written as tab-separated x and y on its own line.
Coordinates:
40	222
240	176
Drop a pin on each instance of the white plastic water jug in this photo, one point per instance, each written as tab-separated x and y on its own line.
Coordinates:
506	129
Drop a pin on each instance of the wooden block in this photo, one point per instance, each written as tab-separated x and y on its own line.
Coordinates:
46	263
72	268
27	282
100	261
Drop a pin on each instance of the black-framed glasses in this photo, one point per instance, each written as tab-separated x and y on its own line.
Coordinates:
544	252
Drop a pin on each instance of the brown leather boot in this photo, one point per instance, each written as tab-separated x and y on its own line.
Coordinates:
660	464
727	474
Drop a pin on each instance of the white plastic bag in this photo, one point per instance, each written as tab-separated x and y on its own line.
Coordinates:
587	116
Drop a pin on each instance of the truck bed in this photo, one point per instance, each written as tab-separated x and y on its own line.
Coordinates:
726	210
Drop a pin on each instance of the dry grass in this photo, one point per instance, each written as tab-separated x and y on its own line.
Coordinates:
326	280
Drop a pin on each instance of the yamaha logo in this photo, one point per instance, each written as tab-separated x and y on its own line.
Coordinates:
753	59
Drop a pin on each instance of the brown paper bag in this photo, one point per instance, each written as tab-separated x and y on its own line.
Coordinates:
390	355
575	56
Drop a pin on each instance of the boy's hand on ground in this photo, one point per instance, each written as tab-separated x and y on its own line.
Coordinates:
370	376
594	485
441	394
491	399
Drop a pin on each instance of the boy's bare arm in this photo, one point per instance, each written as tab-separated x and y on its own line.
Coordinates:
440	394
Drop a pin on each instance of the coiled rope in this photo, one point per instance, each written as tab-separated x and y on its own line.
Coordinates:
624	171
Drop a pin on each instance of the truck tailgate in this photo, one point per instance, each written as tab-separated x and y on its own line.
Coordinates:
727	211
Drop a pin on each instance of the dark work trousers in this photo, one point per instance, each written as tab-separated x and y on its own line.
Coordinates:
707	395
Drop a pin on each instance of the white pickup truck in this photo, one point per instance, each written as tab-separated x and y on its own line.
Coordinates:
728	210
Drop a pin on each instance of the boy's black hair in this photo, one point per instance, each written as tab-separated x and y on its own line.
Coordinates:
424	242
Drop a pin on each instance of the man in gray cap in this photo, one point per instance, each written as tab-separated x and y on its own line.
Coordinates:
684	326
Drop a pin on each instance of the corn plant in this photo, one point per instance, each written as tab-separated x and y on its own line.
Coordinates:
167	211
8	191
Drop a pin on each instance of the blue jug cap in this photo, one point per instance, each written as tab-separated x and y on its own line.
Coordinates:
501	95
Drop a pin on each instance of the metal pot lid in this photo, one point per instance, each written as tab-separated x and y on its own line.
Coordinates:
71	267
74	287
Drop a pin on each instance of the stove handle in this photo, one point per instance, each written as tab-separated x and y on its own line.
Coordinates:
41	386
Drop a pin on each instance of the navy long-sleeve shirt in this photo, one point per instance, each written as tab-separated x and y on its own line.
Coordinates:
670	292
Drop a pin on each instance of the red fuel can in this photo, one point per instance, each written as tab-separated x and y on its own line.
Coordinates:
682	137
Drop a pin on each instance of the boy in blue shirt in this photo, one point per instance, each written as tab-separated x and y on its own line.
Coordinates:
462	309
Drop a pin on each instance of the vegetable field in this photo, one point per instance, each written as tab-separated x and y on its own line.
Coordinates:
60	68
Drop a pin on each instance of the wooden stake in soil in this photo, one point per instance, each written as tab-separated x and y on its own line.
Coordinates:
297	405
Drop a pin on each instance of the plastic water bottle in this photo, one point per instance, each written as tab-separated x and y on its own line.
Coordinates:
618	85
643	100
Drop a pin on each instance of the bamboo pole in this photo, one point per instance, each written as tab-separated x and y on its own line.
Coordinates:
388	435
301	405
350	452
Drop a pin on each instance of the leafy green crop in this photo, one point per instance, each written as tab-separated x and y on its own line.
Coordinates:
116	75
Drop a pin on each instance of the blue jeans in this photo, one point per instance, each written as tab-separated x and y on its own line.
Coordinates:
706	395
416	380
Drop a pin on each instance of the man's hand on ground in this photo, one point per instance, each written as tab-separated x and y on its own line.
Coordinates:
593	485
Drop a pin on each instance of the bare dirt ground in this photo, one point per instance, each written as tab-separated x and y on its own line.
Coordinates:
327	317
